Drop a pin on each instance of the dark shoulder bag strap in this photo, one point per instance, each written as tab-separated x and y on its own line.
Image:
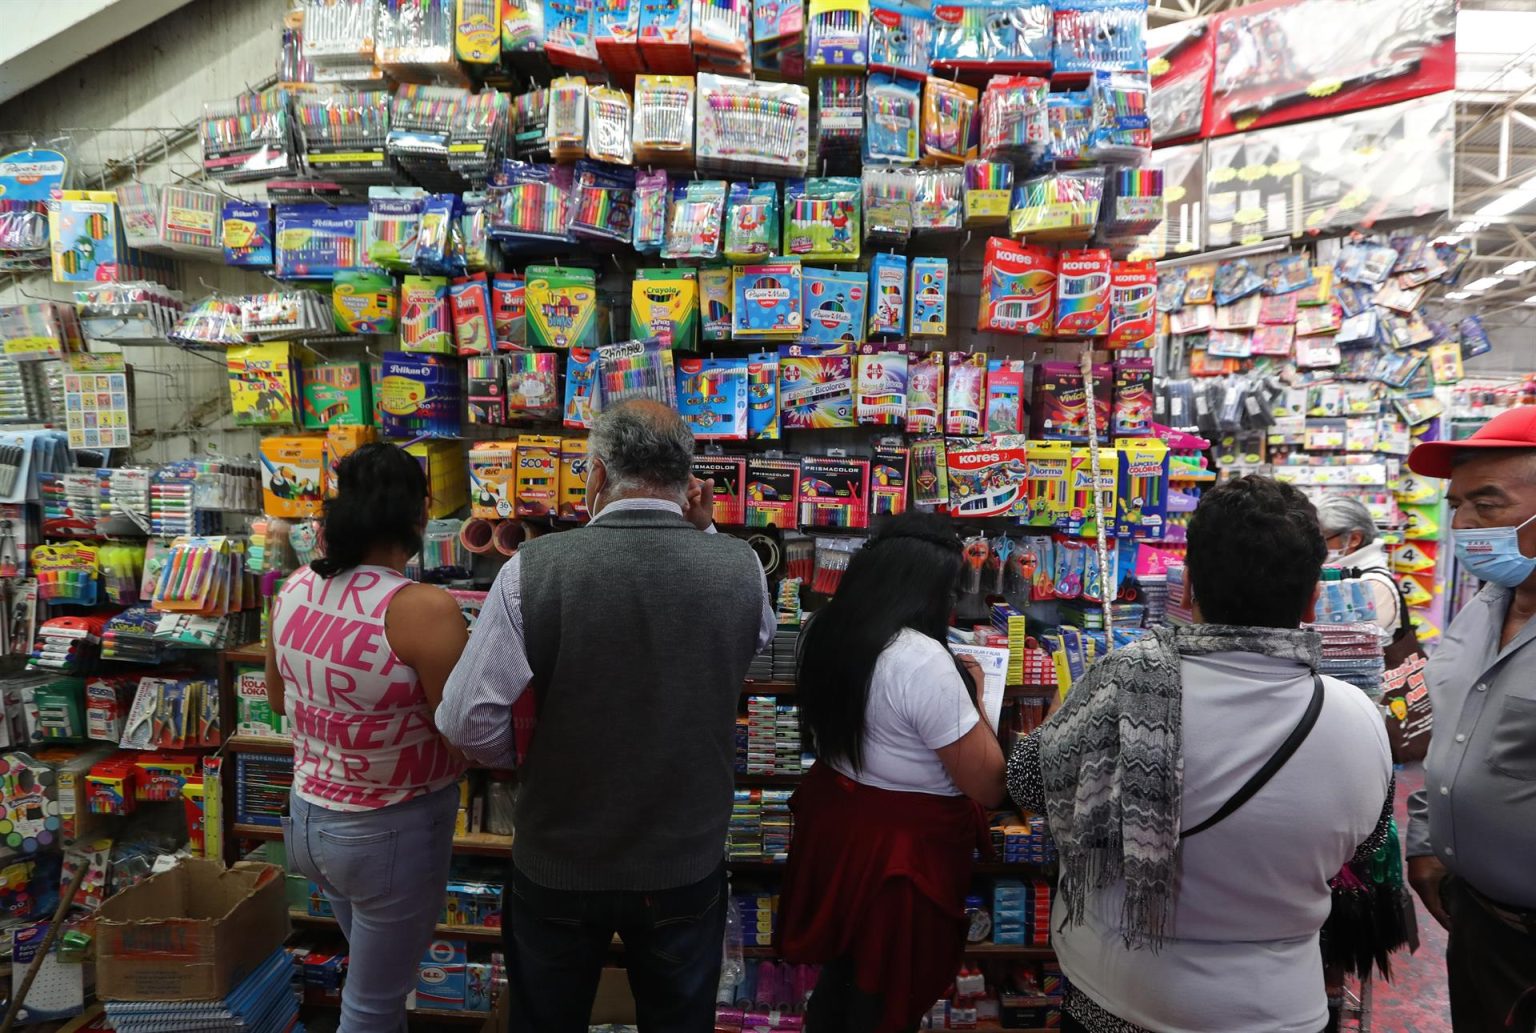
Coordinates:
1261	777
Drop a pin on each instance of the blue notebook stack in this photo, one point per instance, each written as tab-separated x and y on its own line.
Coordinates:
263	1003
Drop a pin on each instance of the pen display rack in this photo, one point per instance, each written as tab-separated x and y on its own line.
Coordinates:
344	134
747	126
249	138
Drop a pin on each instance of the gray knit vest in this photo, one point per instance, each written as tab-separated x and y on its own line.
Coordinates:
638	629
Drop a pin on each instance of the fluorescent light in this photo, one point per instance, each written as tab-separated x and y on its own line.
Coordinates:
1531	300
1486	283
1510	201
1470	226
1525	265
1457	296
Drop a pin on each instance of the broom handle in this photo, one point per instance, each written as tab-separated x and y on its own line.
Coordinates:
65	899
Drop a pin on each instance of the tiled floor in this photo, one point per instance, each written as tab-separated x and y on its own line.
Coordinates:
1416	1000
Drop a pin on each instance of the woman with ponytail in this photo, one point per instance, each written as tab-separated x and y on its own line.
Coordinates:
887	819
356	659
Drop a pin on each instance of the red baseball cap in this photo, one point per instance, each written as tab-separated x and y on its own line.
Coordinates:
1513	428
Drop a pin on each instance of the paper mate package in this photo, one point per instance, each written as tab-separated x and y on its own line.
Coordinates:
492	479
888	296
1141	505
986	479
815	388
767	300
925	394
1006	380
538	475
573	479
712	398
929	291
888	480
509	314
247	231
763	396
1049	498
1061	402
1132	414
1018	289
1132	304
562	307
833	303
880	387
715	303
1082	293
664	303
966	397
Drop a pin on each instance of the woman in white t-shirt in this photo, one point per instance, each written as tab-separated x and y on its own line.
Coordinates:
887	821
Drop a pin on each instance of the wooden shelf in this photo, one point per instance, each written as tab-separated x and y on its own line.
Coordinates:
482	844
250	653
768	688
785	780
259	744
1008	950
465	1018
478	933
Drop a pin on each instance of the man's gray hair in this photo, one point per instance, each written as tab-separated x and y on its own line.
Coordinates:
1340	514
645	447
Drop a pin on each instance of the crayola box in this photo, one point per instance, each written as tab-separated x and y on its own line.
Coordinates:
492	479
1132	303
561	307
1018	289
292	475
573	479
664	303
538	475
1082	293
833	303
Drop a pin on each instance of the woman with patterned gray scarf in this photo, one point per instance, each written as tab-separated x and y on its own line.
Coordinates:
1203	785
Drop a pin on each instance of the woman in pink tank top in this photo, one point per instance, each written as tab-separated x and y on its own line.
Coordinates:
357	658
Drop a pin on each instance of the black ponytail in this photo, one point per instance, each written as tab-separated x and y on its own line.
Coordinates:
381	497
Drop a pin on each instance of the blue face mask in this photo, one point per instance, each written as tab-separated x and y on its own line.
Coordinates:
1493	554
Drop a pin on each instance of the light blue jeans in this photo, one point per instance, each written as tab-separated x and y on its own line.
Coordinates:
385	873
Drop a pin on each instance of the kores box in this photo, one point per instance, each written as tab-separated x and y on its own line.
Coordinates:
189	934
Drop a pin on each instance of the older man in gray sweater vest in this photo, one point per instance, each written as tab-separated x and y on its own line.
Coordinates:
634	635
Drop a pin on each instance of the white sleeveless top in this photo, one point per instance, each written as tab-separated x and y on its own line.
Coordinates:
363	736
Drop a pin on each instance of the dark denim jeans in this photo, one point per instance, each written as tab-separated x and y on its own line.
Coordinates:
557	941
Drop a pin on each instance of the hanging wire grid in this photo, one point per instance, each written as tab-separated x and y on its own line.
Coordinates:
180	400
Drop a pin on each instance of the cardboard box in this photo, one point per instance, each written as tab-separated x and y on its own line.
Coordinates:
189	934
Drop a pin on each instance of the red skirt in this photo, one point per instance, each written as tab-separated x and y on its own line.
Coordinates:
880	877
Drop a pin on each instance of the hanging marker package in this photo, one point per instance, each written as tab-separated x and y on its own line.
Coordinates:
892	119
900	37
888	296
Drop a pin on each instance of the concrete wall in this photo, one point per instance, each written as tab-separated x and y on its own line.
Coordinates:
160	77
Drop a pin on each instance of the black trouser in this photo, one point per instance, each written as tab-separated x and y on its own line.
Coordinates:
557	941
838	1006
1492	963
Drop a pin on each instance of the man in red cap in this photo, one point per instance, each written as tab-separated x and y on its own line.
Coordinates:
1472	828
